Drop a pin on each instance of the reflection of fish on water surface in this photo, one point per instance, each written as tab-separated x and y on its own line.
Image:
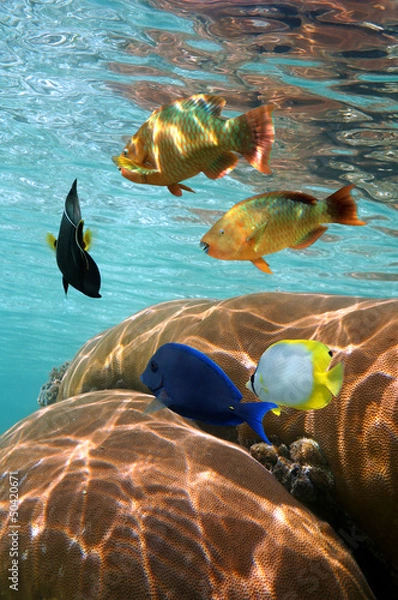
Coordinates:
293	373
76	265
188	135
271	222
189	383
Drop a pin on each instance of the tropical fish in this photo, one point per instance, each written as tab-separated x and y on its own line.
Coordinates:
189	383
76	265
187	136
270	222
293	373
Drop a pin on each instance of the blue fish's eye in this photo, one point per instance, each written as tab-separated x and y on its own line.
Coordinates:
221	232
330	353
231	408
154	366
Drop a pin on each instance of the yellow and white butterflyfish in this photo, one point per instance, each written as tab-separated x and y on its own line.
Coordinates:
293	373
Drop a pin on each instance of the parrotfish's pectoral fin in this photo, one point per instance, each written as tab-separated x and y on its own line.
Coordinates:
176	189
310	238
221	166
262	265
51	241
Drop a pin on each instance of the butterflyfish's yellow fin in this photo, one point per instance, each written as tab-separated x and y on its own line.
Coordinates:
262	265
334	379
87	239
319	398
51	241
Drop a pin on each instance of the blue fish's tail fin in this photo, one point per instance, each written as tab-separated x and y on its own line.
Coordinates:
253	413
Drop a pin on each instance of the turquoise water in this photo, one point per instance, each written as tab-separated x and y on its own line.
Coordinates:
79	76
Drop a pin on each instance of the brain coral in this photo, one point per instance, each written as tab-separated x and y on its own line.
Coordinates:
357	432
118	505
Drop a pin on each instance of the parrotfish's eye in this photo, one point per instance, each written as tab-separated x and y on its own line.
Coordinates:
221	232
154	366
125	152
330	353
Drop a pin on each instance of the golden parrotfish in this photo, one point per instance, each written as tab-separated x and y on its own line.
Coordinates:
271	222
293	373
78	268
188	135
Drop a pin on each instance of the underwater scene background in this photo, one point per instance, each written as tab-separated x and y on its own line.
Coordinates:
78	77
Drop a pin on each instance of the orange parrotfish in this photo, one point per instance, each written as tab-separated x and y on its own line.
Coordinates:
270	222
189	135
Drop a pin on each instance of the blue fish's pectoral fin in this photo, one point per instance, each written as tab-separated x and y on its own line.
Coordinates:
176	189
253	413
310	238
221	166
163	400
261	264
51	241
65	284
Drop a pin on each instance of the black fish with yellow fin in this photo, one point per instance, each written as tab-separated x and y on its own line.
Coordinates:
76	265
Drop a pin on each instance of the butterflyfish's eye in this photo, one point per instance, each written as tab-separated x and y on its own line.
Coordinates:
330	353
221	232
154	366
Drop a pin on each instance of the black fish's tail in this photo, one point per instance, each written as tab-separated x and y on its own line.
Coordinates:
342	208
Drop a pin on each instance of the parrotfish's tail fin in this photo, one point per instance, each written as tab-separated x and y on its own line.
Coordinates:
256	135
51	241
253	413
334	379
342	208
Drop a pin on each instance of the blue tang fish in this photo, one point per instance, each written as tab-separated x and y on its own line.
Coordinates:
76	265
189	383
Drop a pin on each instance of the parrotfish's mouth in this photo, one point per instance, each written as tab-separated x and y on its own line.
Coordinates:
205	247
